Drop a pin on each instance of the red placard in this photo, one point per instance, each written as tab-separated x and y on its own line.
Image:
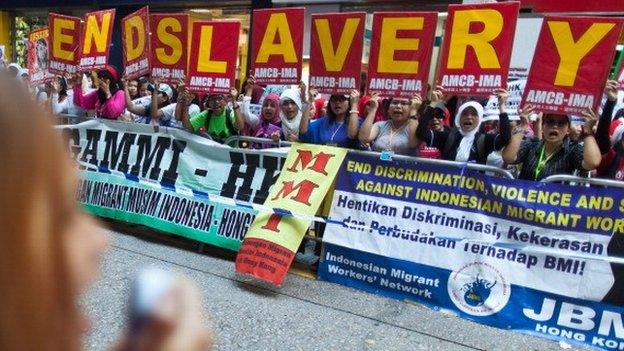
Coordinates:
477	47
277	45
400	54
169	42
38	61
571	63
64	39
214	51
96	34
135	42
336	46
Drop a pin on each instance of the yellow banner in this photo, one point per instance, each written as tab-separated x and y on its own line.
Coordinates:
301	187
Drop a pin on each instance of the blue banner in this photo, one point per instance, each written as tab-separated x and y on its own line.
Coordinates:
543	259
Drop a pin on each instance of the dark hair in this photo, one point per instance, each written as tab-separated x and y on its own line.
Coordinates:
469	110
63	86
330	112
555	115
114	85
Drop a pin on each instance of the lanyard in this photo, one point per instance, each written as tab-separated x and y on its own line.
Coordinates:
392	134
541	163
336	131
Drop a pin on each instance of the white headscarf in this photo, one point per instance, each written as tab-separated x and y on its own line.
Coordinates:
463	151
291	126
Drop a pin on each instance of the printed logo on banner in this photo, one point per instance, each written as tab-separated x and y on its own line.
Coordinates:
478	289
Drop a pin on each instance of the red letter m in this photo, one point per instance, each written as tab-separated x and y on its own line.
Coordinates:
304	158
304	190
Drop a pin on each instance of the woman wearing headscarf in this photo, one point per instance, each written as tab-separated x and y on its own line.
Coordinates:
268	123
463	142
338	128
108	100
291	111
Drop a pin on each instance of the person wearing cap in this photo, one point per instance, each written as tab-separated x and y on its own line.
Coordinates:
108	100
611	148
464	142
218	121
555	153
340	126
398	133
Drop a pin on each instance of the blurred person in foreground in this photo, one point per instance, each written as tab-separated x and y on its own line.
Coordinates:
50	251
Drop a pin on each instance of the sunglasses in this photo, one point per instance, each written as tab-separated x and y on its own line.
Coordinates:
555	122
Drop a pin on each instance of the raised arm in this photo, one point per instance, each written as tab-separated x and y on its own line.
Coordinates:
591	151
510	152
412	124
354	114
602	132
422	132
154	105
305	116
240	120
250	118
86	101
504	131
368	131
130	106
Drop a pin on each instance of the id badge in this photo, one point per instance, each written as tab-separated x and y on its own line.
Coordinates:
386	155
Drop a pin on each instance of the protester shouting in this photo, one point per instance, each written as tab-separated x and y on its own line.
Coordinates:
338	128
108	100
268	123
217	121
398	133
463	142
611	148
555	153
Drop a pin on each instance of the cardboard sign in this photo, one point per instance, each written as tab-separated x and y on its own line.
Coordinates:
571	63
169	42
336	45
272	240
277	45
64	40
38	62
400	55
477	47
135	41
214	51
95	41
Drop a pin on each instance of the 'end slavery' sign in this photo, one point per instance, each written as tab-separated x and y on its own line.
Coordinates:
64	40
477	47
400	55
95	39
135	41
277	45
336	43
571	63
169	46
214	50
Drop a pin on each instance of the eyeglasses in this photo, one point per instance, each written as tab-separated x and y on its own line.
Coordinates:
555	122
400	102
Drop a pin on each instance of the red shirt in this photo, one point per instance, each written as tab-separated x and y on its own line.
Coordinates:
605	165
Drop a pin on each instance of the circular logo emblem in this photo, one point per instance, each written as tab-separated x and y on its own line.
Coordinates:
478	289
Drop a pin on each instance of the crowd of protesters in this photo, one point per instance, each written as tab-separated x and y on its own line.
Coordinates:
533	148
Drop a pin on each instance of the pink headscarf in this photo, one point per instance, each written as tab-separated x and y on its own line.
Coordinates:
271	98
